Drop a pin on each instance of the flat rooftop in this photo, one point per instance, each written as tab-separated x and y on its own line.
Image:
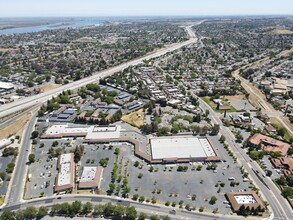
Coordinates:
181	147
103	132
89	132
88	174
5	85
65	172
65	129
245	199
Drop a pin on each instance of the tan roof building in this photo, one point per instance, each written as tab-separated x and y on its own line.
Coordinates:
269	144
248	199
91	177
285	163
66	172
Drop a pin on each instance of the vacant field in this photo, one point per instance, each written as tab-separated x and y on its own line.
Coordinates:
6	49
48	86
234	97
135	118
282	31
16	128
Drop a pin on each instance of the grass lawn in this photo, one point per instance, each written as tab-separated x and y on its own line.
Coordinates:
2	200
278	125
214	106
134	118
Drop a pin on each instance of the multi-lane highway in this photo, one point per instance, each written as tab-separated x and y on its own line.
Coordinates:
279	206
43	97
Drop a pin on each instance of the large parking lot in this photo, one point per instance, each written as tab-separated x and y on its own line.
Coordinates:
44	170
164	182
167	184
3	164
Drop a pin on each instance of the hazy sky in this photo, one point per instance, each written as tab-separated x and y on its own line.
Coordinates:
19	8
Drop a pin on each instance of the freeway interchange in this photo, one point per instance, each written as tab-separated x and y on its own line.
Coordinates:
279	206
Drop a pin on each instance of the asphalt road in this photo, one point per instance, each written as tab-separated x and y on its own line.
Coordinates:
17	185
140	207
43	97
279	206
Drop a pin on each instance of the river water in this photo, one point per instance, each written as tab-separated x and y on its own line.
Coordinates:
68	23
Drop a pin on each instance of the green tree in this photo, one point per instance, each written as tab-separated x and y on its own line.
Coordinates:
117	151
55	208
155	217
35	134
2	175
213	200
76	207
256	155
222	139
42	212
55	143
163	131
109	209
142	216
166	217
7	215
281	131
131	213
30	212
103	162
119	211
215	129
282	180
98	209
289	179
135	197
287	191
141	199
10	167
87	208
32	158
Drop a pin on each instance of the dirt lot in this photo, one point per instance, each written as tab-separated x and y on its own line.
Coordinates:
135	118
282	31
234	97
16	127
48	86
6	49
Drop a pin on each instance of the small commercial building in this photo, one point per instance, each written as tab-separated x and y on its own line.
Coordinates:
269	144
247	199
182	149
91	178
66	172
90	133
283	163
4	142
6	87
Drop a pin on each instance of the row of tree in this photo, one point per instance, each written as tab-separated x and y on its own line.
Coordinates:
108	210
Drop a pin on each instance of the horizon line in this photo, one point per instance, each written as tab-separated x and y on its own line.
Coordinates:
107	16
